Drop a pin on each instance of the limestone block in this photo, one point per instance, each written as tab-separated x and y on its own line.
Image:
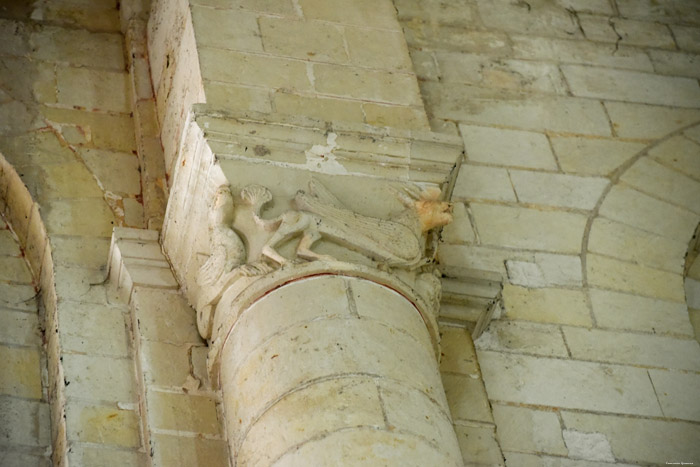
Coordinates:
527	430
460	229
19	328
18	297
586	6
629	206
647	121
526	228
395	116
557	190
453	13
182	412
97	17
307	40
609	273
361	83
638	439
479	257
21	372
71	180
24	422
103	378
590	446
692	292
479	182
93	329
627	32
78	47
100	456
679	153
101	130
677	392
377	14
467	398
648	10
242	68
280	7
14	35
516	459
8	244
568	384
457	351
89	252
512	148
337	404
675	63
102	424
687	37
15	269
574	51
192	451
478	445
324	108
22	459
164	316
226	29
635	349
631	244
632	312
226	95
164	364
539	16
368	446
374	48
79	216
632	86
424	65
651	177
545	270
428	37
100	90
523	337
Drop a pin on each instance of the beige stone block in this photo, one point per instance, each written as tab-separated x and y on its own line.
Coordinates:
18	297
164	316
677	393
557	306
80	284
478	182
693	133
90	252
23	422
586	156
545	270
117	172
631	244
651	177
247	69
8	244
101	456
675	63
165	364
323	108
638	439
582	52
374	48
478	445
460	229
337	404
78	47
629	206
280	7
20	367
395	116
467	398
226	29
370	13
568	384
477	256
182	412
102	424
20	459
634	349
375	447
14	35
529	228
192	451
457	351
687	37
512	148
362	83
103	378
527	430
409	410
229	96
613	274
586	6
627	32
19	328
424	64
523	337
425	37
503	15
306	40
647	121
679	153
93	329
14	269
79	216
93	89
632	86
101	130
71	180
459	13
557	189
516	459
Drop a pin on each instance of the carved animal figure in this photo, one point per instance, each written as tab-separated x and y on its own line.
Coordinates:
396	242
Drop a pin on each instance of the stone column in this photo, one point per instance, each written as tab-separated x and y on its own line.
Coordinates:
330	363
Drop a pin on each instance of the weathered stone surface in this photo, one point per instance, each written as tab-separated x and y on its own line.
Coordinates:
479	182
677	392
527	430
523	337
648	121
21	370
102	378
467	398
165	317
23	422
511	148
182	412
679	153
226	28
546	305
557	190
102	424
308	40
478	445
182	450
653	178
545	270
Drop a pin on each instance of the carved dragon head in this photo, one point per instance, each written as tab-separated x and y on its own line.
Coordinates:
431	210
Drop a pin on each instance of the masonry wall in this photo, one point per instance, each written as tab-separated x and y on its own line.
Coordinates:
580	186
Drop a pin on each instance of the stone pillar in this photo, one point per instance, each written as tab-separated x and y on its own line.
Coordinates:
331	364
